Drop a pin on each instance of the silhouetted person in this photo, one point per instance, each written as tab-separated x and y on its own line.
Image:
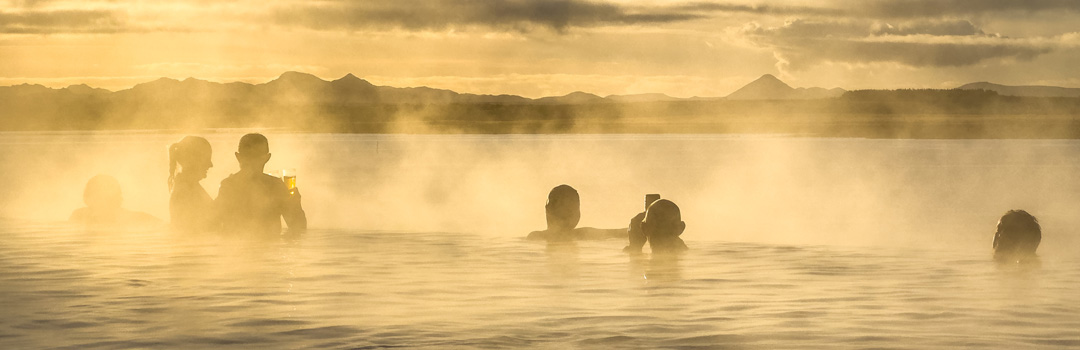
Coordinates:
190	207
563	211
660	226
1017	237
103	209
251	202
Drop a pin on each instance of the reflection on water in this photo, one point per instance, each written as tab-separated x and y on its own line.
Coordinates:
63	287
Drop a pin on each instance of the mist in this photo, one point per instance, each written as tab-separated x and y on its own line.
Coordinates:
750	188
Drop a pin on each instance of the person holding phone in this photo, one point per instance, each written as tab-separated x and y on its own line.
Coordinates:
660	225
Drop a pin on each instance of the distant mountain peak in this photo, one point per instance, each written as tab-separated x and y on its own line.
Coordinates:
769	87
352	80
83	89
292	76
163	81
769	77
580	94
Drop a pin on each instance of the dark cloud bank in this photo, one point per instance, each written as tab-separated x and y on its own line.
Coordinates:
61	21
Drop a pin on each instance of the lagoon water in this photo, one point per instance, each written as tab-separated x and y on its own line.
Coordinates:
795	243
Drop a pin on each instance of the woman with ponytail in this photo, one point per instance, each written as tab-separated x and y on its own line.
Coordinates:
189	204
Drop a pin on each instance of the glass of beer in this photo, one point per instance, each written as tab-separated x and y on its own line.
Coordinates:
289	176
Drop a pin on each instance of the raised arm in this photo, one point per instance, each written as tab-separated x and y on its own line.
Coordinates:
293	213
636	236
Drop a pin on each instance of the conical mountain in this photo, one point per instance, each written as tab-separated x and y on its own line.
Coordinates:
768	87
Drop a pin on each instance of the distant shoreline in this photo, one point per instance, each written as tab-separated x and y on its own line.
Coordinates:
304	103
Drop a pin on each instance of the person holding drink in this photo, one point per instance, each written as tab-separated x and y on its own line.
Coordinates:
252	202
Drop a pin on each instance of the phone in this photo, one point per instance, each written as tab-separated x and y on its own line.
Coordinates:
649	198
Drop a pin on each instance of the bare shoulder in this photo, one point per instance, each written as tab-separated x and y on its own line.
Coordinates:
79	215
537	236
592	233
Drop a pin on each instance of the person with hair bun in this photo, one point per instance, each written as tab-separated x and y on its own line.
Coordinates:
190	207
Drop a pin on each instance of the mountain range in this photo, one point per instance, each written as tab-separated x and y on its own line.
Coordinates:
300	101
1028	90
299	87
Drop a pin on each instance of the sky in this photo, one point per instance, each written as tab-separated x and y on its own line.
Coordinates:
540	48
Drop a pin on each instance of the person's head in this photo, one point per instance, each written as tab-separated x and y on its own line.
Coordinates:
193	154
102	192
1018	233
563	208
253	152
663	220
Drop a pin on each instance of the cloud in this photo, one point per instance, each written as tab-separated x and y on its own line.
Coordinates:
520	15
760	9
952	43
61	21
942	28
947	8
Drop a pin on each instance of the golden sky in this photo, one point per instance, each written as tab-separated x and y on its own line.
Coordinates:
546	47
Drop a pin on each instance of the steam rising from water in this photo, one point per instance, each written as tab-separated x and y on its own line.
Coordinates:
752	188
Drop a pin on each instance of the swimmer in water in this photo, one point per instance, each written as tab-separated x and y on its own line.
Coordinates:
103	209
563	211
1018	236
190	207
660	226
251	202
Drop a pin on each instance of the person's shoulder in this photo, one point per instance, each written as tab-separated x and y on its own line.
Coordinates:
231	179
537	236
269	180
592	233
79	215
140	218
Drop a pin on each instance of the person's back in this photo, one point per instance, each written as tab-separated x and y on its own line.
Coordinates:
190	207
251	202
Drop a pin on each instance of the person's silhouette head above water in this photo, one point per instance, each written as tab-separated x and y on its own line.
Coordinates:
563	208
663	225
1018	235
193	154
102	192
253	152
103	206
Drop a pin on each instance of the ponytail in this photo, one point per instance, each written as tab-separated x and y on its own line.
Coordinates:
184	152
173	150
